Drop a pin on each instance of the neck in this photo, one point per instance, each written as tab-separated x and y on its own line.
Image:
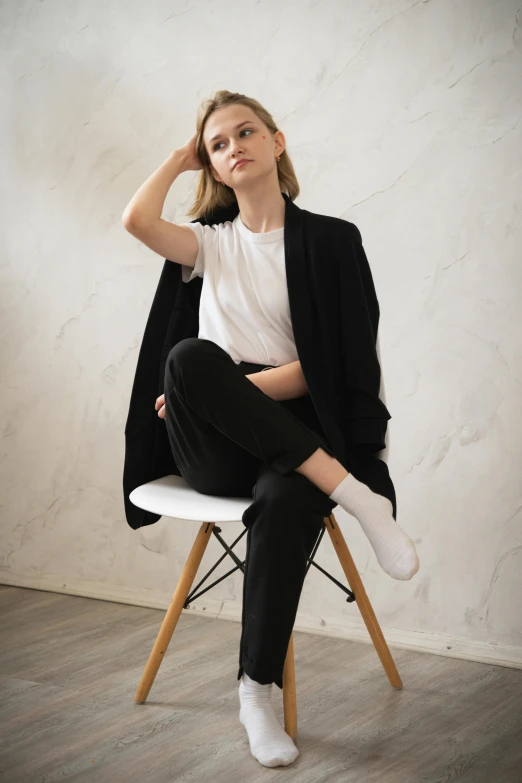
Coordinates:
262	212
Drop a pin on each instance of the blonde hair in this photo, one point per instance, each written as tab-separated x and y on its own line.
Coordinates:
212	195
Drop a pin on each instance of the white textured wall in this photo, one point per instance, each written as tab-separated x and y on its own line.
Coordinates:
403	117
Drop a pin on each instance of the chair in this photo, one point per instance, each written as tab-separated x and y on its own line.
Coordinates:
171	496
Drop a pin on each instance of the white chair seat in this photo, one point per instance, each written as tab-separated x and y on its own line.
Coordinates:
171	496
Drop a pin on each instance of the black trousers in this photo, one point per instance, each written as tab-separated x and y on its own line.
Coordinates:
231	439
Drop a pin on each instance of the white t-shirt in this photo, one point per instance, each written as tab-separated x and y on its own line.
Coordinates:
244	296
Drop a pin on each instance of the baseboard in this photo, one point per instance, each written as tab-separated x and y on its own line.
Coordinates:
351	628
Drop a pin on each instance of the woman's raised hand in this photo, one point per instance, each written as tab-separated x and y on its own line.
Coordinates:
191	161
161	402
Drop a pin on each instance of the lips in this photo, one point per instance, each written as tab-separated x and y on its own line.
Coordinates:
241	163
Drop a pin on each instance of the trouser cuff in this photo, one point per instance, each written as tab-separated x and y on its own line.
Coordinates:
261	675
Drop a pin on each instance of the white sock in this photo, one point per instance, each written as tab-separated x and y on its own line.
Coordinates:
395	551
269	742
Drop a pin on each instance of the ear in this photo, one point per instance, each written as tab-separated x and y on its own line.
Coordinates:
280	140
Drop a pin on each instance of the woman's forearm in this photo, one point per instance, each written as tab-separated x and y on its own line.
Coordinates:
281	383
148	202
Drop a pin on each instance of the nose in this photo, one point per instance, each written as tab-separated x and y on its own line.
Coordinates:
234	150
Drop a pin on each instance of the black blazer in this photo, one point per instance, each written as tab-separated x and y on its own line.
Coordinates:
335	317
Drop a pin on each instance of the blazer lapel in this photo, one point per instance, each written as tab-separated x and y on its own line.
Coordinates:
302	276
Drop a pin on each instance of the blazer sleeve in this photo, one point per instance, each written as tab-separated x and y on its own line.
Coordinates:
365	414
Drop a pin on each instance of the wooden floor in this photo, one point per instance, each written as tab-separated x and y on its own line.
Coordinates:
70	667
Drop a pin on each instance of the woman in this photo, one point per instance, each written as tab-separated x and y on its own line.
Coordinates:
239	417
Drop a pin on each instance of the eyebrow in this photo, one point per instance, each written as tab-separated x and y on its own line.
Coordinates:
246	122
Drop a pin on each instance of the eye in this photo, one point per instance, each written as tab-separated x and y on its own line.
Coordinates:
248	130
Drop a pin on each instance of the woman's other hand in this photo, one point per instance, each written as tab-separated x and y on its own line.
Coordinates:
160	403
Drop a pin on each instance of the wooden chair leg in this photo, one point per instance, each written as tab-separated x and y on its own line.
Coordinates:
357	587
171	618
289	695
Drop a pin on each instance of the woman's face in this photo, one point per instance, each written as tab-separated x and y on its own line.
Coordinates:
226	143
